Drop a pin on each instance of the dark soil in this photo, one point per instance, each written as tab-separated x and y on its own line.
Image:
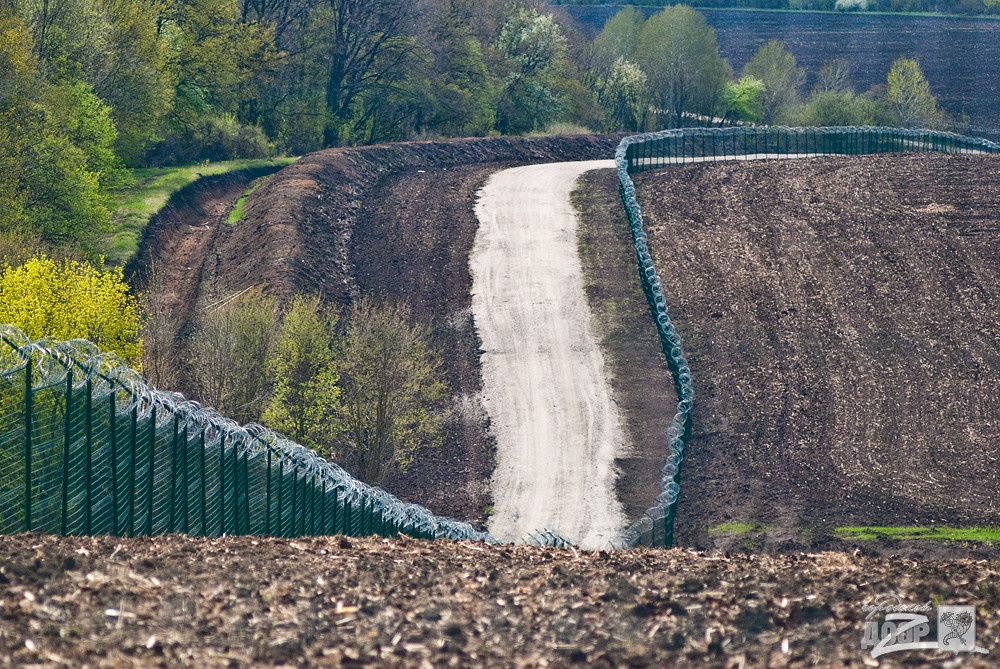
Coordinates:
396	221
841	320
412	245
640	379
252	601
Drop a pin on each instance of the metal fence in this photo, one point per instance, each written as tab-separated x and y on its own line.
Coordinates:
673	147
87	448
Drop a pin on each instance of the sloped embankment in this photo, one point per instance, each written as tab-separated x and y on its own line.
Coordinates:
396	221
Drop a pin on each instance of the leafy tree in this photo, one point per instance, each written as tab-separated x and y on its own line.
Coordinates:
744	99
230	351
50	187
391	388
834	108
679	53
533	52
618	39
306	400
625	94
72	300
908	97
776	67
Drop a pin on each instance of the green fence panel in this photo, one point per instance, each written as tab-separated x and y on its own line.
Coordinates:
86	447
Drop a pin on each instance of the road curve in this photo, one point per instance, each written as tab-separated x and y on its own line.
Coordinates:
550	406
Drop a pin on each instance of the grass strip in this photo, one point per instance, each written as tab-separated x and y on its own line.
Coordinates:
153	187
881	533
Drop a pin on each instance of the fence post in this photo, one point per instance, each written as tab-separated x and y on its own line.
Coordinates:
236	493
222	484
90	453
66	439
281	495
173	476
185	488
27	444
152	469
246	490
133	435
112	405
204	482
267	496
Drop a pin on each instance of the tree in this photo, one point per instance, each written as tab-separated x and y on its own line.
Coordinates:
72	300
908	97
744	99
533	52
625	94
834	108
230	351
391	388
618	39
679	53
834	76
776	67
306	400
367	48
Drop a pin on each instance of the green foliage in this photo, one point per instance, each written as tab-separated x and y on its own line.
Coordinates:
149	191
679	53
774	65
625	93
744	99
306	401
908	98
391	388
533	54
72	300
834	108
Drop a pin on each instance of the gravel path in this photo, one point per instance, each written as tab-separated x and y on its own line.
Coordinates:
549	402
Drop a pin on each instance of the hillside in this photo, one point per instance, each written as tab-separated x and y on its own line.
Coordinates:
840	318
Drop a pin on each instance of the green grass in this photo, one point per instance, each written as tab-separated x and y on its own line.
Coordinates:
153	187
236	215
737	528
878	533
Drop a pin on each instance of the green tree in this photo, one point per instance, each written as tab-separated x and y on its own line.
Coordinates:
775	65
834	108
908	97
625	94
50	187
306	400
679	53
533	55
72	300
230	351
744	99
391	387
618	39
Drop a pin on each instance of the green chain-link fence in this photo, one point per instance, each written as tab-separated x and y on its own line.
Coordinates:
673	147
87	448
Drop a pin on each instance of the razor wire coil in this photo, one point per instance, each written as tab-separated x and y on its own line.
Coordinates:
86	447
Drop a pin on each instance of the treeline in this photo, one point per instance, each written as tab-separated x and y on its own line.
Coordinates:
963	7
666	72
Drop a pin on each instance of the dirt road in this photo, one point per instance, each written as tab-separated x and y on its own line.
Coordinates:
544	384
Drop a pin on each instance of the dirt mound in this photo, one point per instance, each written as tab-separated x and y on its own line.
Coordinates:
396	221
255	601
841	321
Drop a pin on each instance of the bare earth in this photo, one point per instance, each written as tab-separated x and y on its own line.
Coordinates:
841	320
544	385
328	601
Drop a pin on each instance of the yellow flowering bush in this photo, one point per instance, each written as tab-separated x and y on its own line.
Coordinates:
72	300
